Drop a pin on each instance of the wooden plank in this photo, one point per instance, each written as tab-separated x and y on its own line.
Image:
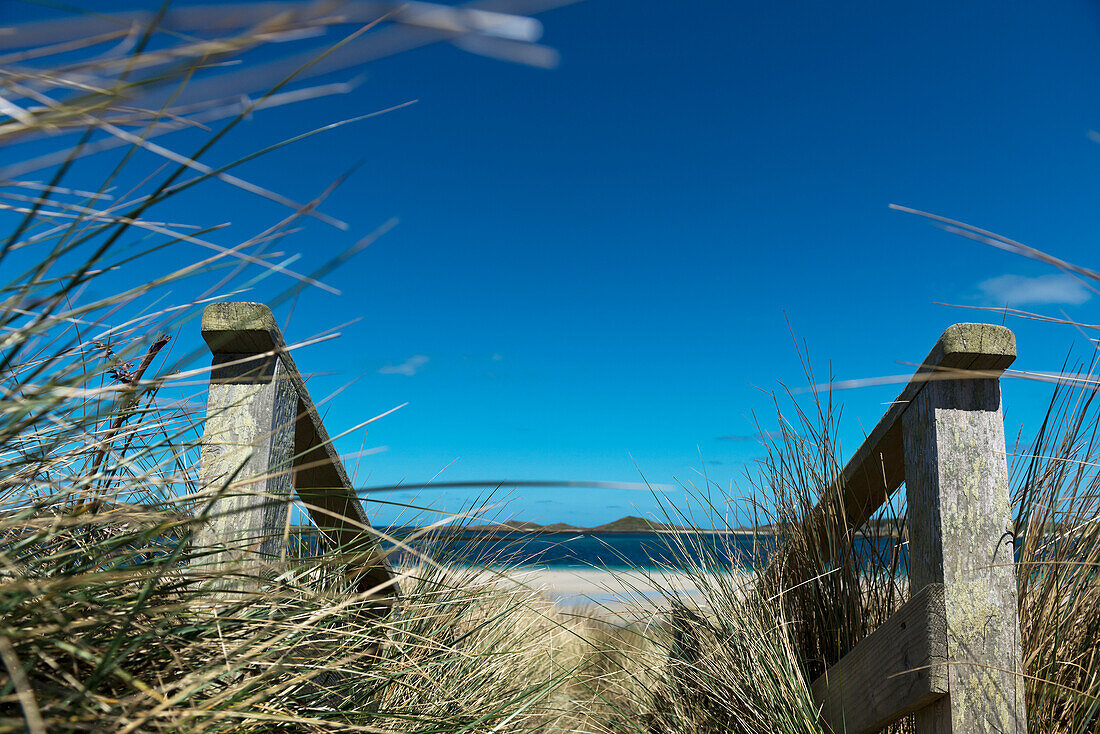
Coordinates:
894	671
877	468
961	536
248	441
324	487
322	483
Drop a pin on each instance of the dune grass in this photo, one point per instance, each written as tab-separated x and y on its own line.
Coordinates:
106	621
106	617
739	655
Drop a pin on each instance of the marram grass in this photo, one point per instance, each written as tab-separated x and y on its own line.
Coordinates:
107	622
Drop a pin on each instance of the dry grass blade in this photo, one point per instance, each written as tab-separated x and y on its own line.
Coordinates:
108	621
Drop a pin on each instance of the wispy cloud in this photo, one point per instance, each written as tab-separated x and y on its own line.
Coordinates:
745	437
408	368
1018	290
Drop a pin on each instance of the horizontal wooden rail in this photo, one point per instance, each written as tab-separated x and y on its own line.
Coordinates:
896	670
877	468
955	665
263	426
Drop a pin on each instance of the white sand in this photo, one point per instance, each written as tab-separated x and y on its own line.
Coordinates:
593	590
613	590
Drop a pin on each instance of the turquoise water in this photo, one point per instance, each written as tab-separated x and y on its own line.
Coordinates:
617	550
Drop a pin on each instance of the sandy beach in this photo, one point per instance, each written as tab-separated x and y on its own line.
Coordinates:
615	591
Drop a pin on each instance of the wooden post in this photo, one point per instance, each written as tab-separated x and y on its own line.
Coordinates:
247	459
264	434
960	530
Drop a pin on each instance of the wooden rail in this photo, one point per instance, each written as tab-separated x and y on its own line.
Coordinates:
951	655
264	438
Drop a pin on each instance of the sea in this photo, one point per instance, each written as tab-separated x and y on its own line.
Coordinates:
618	551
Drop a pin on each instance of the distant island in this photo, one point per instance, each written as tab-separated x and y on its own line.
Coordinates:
628	524
633	524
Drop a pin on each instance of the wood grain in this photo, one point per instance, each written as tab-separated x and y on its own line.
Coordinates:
961	536
897	669
248	440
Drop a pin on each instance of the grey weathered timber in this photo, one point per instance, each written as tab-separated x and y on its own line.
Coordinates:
246	334
961	536
248	443
894	671
944	438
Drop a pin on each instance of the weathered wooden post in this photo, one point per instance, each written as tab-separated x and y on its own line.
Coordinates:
263	437
951	654
961	534
248	439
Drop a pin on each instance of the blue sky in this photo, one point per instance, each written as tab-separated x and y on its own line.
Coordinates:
598	268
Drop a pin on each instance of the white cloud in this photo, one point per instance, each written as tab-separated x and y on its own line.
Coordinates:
1018	290
743	437
408	368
